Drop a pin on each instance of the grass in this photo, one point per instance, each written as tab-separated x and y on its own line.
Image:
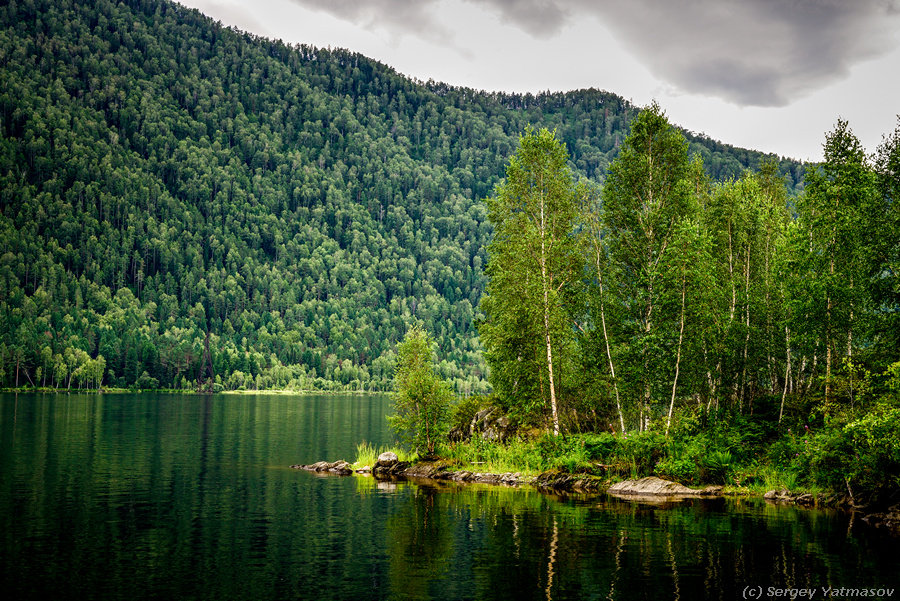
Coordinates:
367	455
528	457
695	461
480	456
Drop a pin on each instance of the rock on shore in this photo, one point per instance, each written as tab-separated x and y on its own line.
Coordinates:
651	486
651	490
335	467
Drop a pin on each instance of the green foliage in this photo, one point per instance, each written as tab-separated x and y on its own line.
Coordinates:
367	455
642	451
838	211
482	455
679	470
874	444
715	467
599	446
147	382
421	398
464	409
534	270
162	176
648	205
892	395
860	457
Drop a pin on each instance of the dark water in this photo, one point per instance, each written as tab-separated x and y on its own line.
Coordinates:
174	497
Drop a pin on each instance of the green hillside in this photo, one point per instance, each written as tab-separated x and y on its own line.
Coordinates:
163	177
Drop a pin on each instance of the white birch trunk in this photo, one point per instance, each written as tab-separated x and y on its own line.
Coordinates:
677	357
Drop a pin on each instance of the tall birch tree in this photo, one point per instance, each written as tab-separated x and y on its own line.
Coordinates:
534	268
884	278
833	228
646	194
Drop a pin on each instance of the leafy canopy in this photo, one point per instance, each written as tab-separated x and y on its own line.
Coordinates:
421	397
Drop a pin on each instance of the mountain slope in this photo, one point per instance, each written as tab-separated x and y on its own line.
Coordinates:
162	177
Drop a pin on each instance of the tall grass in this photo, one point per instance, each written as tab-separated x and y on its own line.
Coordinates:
367	455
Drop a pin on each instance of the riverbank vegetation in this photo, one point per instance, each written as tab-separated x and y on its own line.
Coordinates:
705	332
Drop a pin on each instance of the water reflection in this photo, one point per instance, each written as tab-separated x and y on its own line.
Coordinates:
527	545
420	543
133	497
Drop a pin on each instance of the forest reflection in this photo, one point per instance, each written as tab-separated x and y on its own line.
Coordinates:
520	544
149	496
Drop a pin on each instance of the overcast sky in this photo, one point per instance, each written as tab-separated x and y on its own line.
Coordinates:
772	75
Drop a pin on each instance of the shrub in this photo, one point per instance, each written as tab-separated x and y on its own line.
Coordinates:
680	470
600	446
784	452
642	450
464	411
421	397
872	444
715	467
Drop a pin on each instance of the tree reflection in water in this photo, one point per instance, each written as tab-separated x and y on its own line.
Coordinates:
450	542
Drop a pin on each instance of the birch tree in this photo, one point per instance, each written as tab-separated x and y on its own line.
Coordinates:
598	264
421	398
834	228
534	269
646	194
884	277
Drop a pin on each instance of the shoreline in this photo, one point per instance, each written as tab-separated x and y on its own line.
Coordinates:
565	482
173	391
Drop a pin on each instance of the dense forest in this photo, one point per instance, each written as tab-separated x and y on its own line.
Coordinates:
704	332
169	185
662	289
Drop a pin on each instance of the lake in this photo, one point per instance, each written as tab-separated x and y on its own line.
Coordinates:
141	496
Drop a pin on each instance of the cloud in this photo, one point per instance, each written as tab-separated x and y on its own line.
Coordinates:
396	17
231	14
748	52
753	52
539	18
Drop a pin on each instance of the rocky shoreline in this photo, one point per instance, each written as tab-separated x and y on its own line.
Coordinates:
389	467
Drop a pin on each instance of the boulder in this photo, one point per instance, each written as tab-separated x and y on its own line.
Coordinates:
652	486
391	468
478	422
457	434
889	519
386	459
334	467
773	495
497	430
492	425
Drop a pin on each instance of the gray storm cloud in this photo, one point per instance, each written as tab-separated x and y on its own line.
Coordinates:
539	18
399	17
752	52
749	52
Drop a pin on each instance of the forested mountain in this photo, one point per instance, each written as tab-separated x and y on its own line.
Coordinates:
166	181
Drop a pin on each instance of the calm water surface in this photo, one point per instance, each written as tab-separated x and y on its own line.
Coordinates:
181	497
